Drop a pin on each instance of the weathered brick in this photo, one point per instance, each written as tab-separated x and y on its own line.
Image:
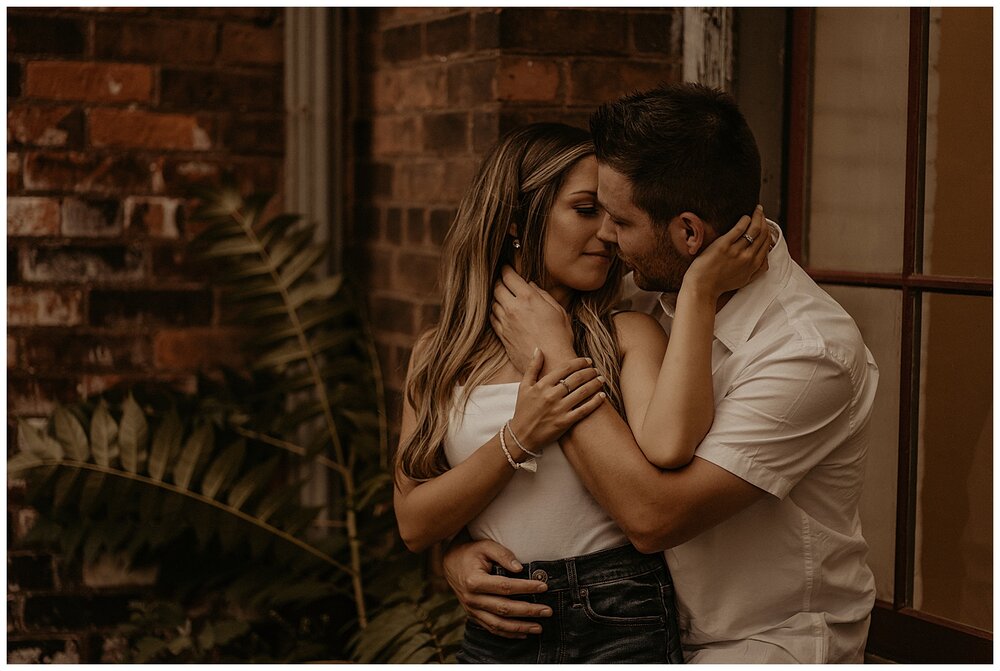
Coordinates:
592	82
515	117
394	225
185	173
185	89
135	128
458	176
415	225
450	35
393	135
563	31
255	136
393	315
485	131
91	218
174	262
527	79
156	41
486	30
126	309
13	79
92	82
38	35
44	307
378	273
472	83
30	572
402	43
45	126
259	16
418	272
49	350
243	43
49	650
380	178
13	171
78	264
656	32
411	89
12	351
85	172
197	349
440	222
76	611
430	315
13	266
154	216
32	216
446	133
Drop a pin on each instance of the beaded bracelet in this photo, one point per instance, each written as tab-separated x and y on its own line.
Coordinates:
537	455
528	465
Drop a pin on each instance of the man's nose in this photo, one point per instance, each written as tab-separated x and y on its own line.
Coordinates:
606	233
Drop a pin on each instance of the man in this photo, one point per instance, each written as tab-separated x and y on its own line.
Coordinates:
761	530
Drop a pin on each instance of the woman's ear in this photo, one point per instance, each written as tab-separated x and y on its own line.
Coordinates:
694	233
512	230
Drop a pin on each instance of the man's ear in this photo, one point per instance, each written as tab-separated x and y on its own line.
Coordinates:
693	233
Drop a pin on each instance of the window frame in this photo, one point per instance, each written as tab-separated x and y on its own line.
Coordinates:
898	631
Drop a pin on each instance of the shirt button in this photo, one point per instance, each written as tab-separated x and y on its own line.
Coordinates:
539	574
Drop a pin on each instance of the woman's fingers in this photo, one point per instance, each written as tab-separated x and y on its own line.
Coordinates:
562	371
586	408
584	392
533	368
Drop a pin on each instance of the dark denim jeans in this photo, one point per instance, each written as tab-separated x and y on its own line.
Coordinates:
612	606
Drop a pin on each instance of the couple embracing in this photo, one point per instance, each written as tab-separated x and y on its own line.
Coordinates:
660	468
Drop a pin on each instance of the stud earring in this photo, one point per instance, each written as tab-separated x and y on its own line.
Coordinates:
517	243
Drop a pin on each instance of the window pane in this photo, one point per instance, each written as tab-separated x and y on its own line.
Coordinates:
958	206
878	314
858	139
954	541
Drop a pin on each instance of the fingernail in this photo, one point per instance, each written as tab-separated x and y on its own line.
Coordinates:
535	630
535	353
603	395
516	565
546	612
542	587
589	360
760	208
600	378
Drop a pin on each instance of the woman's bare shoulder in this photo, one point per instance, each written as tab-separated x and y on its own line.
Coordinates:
637	329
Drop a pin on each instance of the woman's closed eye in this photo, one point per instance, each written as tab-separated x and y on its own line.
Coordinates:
587	210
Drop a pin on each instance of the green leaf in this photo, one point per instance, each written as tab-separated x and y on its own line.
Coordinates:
206	637
199	442
222	470
274	501
166	443
103	435
133	434
232	247
38	442
22	461
148	648
71	434
301	263
421	656
277	227
322	289
255	479
179	644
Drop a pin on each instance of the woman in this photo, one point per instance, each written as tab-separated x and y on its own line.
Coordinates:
477	438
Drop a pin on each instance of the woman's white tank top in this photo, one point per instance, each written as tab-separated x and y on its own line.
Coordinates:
538	516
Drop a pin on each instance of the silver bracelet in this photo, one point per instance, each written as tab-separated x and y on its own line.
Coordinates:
537	455
528	465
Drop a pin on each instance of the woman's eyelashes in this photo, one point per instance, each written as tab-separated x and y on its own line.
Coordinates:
587	210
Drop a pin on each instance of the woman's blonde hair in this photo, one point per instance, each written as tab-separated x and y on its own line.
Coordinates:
517	183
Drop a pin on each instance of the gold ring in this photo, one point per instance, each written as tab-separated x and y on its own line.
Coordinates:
748	237
563	383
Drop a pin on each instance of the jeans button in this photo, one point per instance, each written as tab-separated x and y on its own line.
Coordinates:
539	574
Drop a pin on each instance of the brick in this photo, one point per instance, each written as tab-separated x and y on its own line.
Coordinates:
128	309
457	178
593	82
485	131
37	35
471	83
186	173
449	36
412	89
13	171
563	31
32	216
91	218
429	316
255	136
378	272
440	222
415	225
418	272
446	133
85	172
149	130
49	350
75	611
527	79
91	82
23	650
395	135
381	177
44	307
77	264
108	571
394	225
260	16
486	29
156	41
173	262
513	118
393	315
197	349
186	89
12	351
45	126
402	43
30	572
243	43
153	216
656	32
13	79
13	266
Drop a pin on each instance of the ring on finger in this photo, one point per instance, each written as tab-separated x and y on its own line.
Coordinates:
563	383
748	237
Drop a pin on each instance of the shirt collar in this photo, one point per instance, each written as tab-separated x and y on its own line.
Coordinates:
737	319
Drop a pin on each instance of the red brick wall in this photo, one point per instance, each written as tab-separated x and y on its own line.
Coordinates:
441	86
112	115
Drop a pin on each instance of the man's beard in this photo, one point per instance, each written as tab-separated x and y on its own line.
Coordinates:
662	270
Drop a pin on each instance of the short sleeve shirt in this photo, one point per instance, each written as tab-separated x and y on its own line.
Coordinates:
794	386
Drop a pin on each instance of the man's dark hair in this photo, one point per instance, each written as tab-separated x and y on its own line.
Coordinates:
684	147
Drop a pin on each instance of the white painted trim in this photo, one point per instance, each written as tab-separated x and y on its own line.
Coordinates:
708	46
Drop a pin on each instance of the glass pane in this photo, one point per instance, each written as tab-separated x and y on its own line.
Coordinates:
954	540
858	139
958	205
878	314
